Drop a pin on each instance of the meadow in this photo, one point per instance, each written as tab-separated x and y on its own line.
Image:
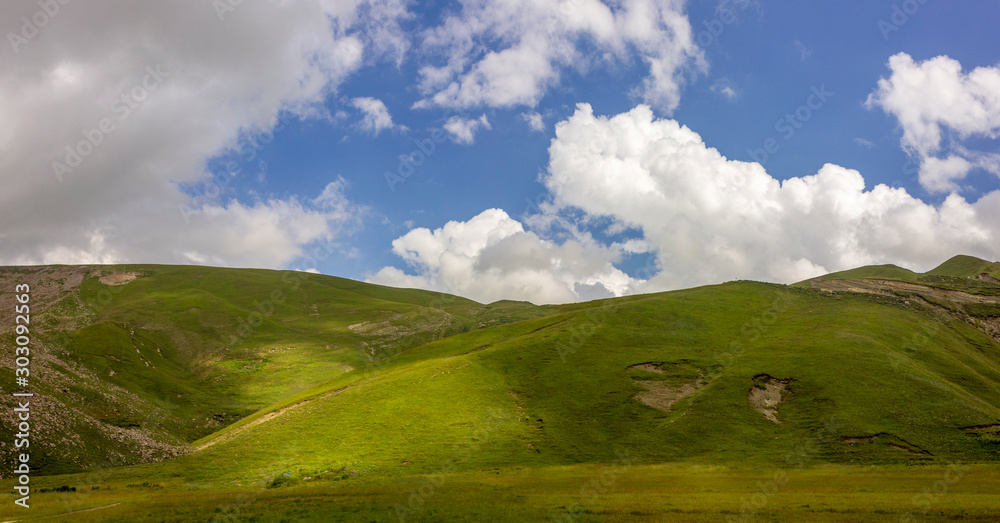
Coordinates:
291	397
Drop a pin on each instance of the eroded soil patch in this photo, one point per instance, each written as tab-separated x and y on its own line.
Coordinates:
678	381
118	278
661	395
766	394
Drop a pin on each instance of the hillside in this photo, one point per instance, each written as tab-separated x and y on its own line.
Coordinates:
345	384
131	363
962	273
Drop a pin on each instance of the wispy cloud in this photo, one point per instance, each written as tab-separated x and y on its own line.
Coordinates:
376	117
463	130
535	121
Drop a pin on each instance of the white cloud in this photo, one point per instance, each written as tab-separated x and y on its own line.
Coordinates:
535	121
376	114
536	40
491	257
867	144
705	218
724	87
934	100
463	130
938	175
169	101
712	219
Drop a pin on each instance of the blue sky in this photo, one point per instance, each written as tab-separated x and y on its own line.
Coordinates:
644	205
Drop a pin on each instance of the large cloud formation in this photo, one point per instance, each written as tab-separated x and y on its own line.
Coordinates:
703	217
938	106
536	39
111	106
491	257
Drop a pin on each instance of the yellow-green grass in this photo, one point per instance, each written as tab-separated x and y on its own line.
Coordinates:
507	411
616	491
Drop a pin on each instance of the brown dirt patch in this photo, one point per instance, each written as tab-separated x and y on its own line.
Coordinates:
986	277
118	278
890	287
766	400
661	395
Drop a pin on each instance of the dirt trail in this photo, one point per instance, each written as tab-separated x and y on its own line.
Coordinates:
265	418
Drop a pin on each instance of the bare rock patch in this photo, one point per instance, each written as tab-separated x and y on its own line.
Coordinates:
118	278
766	394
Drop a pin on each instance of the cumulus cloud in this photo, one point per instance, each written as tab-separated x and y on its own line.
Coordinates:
491	257
703	217
536	40
934	101
712	219
376	115
112	114
463	130
938	175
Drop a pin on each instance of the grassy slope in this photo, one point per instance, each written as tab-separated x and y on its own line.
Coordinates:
555	391
182	351
882	272
960	266
503	397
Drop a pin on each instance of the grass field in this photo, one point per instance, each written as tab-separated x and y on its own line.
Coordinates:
617	491
284	396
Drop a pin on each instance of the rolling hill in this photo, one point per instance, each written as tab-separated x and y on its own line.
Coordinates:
202	378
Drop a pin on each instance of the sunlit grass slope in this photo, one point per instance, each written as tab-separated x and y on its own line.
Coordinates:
178	352
560	390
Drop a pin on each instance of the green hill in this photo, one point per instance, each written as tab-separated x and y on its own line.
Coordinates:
885	272
966	267
960	266
250	379
154	357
